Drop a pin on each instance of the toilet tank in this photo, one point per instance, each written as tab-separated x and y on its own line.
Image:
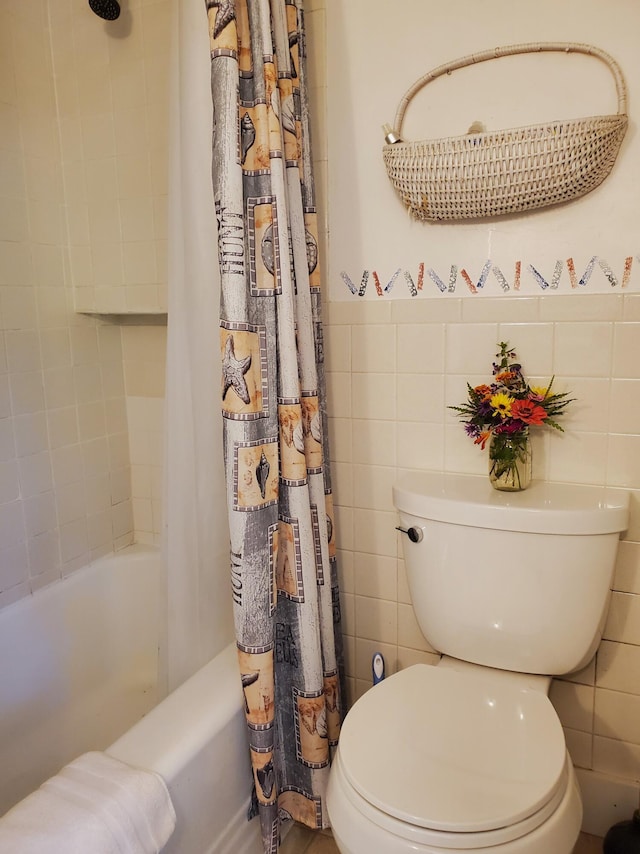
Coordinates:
513	580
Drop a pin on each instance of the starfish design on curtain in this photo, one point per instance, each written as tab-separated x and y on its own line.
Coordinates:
233	371
225	14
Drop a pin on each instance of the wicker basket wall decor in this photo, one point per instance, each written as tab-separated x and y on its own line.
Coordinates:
503	172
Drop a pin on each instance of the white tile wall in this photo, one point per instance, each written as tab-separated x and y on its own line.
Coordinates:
83	111
393	432
111	84
146	420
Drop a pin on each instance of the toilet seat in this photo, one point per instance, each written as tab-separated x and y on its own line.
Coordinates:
351	814
447	753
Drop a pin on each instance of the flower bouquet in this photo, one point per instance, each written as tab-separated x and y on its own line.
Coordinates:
502	414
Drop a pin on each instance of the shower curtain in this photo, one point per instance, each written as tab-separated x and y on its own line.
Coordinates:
196	532
283	563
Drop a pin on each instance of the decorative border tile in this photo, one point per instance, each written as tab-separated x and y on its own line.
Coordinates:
529	278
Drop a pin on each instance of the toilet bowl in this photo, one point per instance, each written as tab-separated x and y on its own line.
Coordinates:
469	755
460	762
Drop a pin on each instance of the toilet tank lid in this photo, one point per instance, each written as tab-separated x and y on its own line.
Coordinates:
544	508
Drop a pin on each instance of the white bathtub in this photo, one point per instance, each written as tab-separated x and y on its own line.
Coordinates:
196	740
79	670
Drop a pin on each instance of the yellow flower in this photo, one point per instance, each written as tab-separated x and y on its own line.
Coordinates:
539	392
502	404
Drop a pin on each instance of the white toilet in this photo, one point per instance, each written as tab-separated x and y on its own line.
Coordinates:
512	588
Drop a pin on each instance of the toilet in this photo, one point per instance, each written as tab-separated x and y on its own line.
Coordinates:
469	755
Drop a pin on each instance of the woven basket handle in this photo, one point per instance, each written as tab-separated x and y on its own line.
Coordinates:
510	50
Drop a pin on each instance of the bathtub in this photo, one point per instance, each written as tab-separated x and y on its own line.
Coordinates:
196	740
80	670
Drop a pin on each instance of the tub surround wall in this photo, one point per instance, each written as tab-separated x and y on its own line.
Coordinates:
113	111
65	491
144	349
84	109
111	82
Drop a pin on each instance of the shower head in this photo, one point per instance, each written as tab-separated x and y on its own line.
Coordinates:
107	9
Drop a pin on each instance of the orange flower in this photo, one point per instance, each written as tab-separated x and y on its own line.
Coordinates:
528	411
505	377
483	391
482	439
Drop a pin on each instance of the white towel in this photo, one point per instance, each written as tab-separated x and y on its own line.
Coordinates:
95	805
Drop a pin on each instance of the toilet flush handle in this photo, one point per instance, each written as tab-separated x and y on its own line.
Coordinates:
414	533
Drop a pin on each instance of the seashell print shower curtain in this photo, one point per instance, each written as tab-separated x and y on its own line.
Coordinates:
283	550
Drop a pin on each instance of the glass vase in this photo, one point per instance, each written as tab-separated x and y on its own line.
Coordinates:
510	461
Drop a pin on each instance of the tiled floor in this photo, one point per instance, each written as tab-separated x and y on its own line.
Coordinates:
302	841
588	845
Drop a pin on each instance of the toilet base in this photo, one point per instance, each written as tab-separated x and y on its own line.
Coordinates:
354	832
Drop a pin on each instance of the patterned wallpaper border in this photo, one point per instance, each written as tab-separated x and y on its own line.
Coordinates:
426	281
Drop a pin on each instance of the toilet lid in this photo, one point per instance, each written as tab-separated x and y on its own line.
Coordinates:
453	752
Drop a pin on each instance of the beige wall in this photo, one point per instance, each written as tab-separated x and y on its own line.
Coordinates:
393	368
111	83
144	352
83	129
112	94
